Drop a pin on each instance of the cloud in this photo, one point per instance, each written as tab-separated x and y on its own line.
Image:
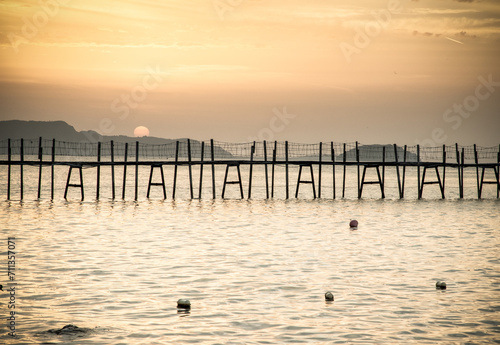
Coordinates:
426	34
465	34
461	34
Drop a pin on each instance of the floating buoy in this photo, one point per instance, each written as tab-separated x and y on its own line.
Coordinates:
441	285
329	296
353	223
184	304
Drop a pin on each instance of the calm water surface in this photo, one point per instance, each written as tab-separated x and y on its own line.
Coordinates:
255	271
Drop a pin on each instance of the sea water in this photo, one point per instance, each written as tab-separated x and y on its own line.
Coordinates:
255	271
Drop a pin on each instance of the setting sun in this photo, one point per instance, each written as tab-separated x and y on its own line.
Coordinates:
141	131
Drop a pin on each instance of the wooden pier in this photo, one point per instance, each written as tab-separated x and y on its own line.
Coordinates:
370	161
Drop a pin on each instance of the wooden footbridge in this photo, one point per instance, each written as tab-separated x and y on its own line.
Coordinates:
369	160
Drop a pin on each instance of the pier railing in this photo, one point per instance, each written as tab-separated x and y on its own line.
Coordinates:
50	152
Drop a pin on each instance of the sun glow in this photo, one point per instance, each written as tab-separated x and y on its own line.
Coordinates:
141	131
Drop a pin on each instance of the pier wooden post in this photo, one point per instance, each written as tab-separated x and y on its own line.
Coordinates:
21	171
68	184
136	170
237	166
125	171
212	156
52	169
380	181
343	177
457	153
423	183
462	159
311	181
498	172
396	159
265	169
175	168
252	151
357	165
9	167
98	182
190	170
319	168
272	168
112	148
404	172
332	149
418	172
286	168
383	171
40	157
444	172
476	159
201	168
161	184
150	180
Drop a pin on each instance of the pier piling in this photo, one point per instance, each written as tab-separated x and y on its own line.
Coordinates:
98	182
21	169
212	156
9	167
112	153
250	172
136	170
202	155
40	158
332	150
53	160
125	171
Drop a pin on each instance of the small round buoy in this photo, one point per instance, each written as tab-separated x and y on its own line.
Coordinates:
329	296
184	304
440	285
353	223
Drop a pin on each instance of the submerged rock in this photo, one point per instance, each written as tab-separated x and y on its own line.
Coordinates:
70	330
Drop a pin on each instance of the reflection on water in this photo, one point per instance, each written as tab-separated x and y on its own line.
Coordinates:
254	271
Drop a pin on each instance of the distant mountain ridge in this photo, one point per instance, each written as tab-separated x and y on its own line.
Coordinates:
63	132
60	130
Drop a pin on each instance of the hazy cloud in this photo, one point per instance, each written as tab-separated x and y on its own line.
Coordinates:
262	55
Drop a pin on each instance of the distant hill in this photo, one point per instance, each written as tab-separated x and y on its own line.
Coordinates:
373	153
367	153
60	130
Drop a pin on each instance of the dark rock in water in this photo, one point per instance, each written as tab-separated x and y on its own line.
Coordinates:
69	330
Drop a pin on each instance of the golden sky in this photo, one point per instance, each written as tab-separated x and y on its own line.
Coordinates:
238	70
